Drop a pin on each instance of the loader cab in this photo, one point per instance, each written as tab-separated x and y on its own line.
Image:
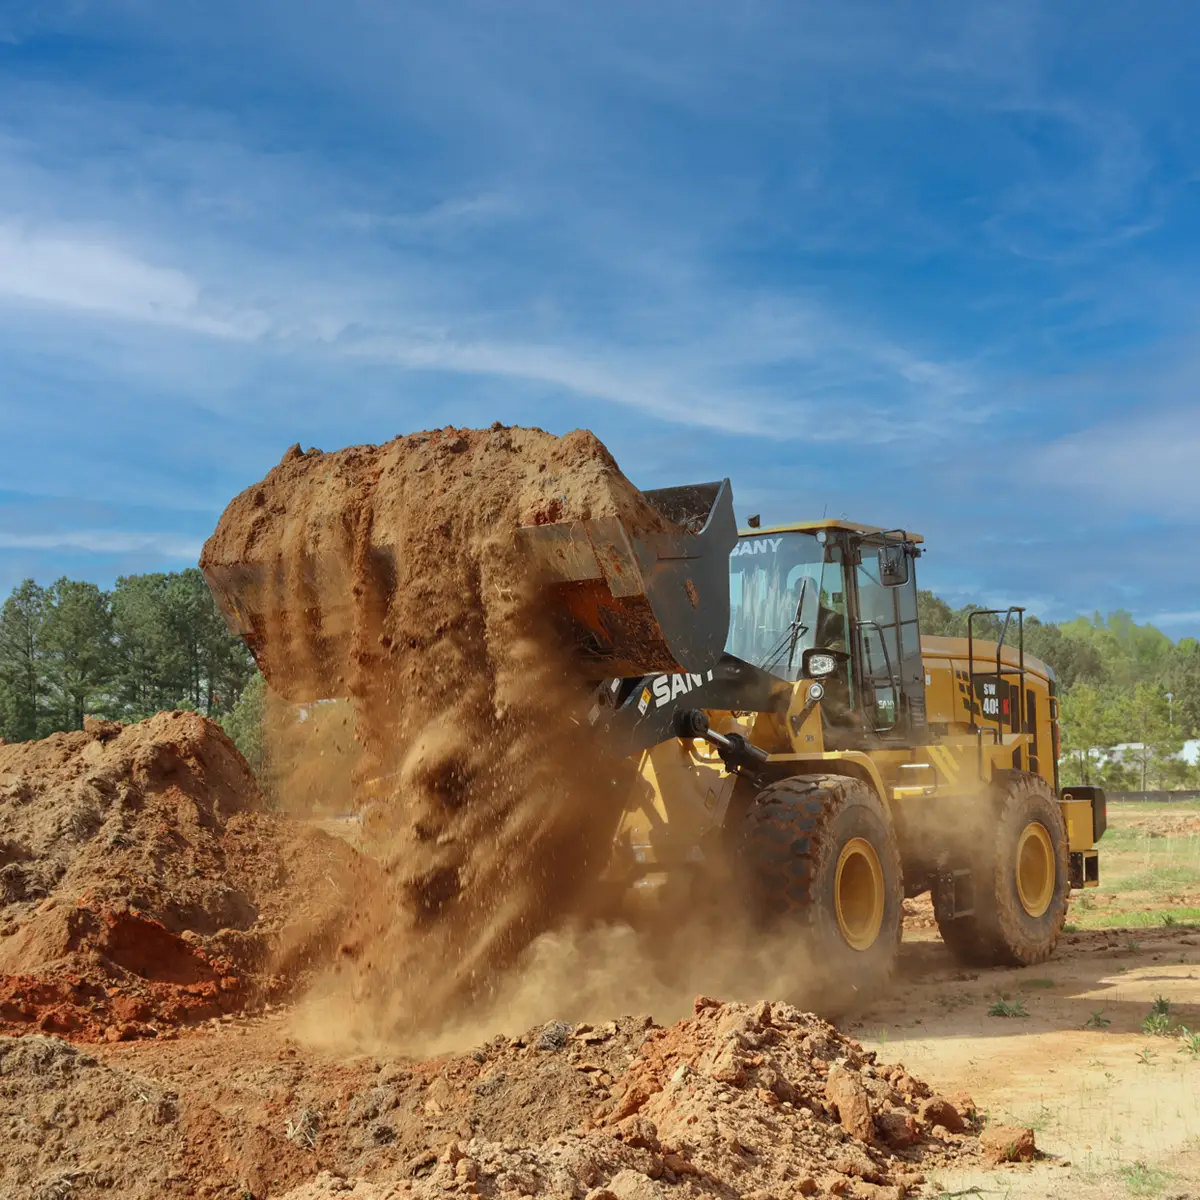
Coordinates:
840	587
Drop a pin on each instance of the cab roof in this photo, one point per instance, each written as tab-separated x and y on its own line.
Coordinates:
814	526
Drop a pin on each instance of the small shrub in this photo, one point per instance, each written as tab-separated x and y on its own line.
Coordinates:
1006	1008
1189	1042
1157	1024
1142	1180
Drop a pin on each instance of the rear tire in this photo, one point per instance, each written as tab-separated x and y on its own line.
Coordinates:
819	852
1020	879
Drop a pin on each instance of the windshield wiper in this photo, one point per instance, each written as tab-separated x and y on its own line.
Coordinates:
795	631
798	630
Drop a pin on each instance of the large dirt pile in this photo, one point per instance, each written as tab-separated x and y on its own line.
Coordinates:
139	887
390	574
735	1101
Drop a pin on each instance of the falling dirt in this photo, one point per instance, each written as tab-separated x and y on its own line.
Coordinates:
391	575
141	888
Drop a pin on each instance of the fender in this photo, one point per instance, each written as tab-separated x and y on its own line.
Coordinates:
852	762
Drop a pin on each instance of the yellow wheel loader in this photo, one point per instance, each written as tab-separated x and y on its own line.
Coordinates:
793	730
833	761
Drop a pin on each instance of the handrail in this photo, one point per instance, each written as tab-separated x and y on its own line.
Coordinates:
1020	714
996	734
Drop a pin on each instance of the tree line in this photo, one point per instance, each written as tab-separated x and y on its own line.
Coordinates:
157	641
153	642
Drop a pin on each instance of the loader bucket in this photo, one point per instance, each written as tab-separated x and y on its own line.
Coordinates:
630	604
641	603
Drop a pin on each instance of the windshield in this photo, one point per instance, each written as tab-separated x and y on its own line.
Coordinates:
784	599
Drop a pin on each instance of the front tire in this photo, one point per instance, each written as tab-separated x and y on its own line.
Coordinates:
1020	880
819	852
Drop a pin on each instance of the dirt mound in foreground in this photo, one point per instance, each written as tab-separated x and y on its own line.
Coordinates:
139	886
391	574
72	1127
735	1101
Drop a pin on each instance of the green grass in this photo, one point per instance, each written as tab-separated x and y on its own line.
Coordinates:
1157	880
1007	1008
1120	833
1097	1020
1189	1042
1157	1025
1142	1180
1157	843
1183	914
1158	1021
1153	808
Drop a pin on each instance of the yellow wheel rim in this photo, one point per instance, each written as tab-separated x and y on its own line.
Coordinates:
858	894
1035	869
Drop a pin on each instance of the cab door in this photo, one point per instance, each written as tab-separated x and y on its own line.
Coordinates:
888	639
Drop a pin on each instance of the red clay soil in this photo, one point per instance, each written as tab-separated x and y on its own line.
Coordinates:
733	1101
141	887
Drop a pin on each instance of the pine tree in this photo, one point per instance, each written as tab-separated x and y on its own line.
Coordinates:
22	688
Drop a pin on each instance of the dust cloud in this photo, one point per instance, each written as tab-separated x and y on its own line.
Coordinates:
581	972
389	575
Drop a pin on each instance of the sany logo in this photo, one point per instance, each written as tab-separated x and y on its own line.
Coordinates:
664	688
756	546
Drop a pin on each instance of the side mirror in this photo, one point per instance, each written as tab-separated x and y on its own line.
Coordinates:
893	565
818	663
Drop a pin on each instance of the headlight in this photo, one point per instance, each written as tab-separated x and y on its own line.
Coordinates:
820	665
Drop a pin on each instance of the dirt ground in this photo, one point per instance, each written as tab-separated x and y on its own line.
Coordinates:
734	1100
1116	1110
241	1106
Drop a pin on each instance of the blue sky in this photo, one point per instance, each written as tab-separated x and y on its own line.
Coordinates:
931	264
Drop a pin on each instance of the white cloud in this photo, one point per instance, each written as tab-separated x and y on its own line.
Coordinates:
450	216
1142	462
69	270
833	399
1176	618
103	541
